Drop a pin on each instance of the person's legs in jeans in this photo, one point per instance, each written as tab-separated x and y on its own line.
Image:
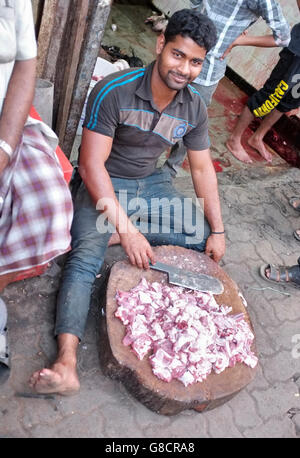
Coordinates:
87	255
170	218
83	264
165	216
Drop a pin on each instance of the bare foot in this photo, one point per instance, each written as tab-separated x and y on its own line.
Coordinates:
258	144
114	240
236	148
60	379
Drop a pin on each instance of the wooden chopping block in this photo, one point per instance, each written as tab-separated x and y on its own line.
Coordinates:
120	363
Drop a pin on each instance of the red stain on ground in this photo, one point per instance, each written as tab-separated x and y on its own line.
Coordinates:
217	166
231	105
230	101
186	165
282	138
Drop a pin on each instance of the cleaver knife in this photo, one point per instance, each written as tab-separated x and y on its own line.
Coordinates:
190	280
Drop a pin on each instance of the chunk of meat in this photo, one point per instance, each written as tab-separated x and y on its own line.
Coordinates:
185	333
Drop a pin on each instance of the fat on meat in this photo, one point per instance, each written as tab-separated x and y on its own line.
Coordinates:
185	333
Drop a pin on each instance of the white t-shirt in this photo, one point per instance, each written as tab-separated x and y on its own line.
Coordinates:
17	38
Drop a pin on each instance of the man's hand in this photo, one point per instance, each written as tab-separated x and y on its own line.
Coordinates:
138	249
236	42
215	247
264	41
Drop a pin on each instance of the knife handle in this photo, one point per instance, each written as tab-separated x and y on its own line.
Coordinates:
159	266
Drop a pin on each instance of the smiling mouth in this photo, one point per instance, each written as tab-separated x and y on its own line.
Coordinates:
179	78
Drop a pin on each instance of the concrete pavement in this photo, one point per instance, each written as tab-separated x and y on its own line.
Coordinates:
259	225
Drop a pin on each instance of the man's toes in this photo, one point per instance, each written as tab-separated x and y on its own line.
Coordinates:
44	378
34	378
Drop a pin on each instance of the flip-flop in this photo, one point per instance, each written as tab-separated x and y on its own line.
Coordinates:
292	200
296	235
282	274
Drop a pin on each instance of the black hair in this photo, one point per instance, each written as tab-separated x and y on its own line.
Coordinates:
190	23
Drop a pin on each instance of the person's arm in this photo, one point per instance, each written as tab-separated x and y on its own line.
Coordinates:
206	187
265	41
95	150
298	2
271	12
18	100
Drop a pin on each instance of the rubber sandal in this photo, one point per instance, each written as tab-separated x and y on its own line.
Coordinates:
291	202
282	275
4	357
297	236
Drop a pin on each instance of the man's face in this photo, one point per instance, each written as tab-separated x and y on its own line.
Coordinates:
179	61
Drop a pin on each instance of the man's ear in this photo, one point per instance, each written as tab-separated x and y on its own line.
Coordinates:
160	43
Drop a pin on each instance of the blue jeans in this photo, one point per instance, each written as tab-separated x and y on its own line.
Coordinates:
89	242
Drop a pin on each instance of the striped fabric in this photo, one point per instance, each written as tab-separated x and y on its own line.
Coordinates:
232	18
117	82
35	206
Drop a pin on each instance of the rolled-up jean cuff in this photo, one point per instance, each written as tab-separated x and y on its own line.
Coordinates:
65	330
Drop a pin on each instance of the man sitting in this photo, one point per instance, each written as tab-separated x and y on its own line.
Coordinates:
132	117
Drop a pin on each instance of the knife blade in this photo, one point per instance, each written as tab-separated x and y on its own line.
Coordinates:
190	280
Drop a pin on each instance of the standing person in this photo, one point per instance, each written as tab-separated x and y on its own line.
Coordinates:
35	202
232	18
280	94
132	116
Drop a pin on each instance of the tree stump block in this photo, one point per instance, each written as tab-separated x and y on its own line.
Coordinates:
120	363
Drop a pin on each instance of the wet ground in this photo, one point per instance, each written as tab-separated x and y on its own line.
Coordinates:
259	225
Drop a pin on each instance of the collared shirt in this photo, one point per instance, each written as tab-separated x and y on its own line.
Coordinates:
232	18
121	106
17	40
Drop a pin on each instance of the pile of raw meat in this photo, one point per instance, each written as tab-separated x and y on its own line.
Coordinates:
186	333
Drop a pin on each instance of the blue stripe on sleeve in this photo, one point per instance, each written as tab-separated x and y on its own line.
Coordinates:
93	117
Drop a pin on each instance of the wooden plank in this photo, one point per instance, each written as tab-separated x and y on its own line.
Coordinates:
37	9
45	32
97	18
56	39
77	34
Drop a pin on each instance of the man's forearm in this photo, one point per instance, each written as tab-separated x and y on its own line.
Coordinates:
206	188
265	41
101	190
18	100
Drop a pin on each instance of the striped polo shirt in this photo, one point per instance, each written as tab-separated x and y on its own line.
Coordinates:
121	107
